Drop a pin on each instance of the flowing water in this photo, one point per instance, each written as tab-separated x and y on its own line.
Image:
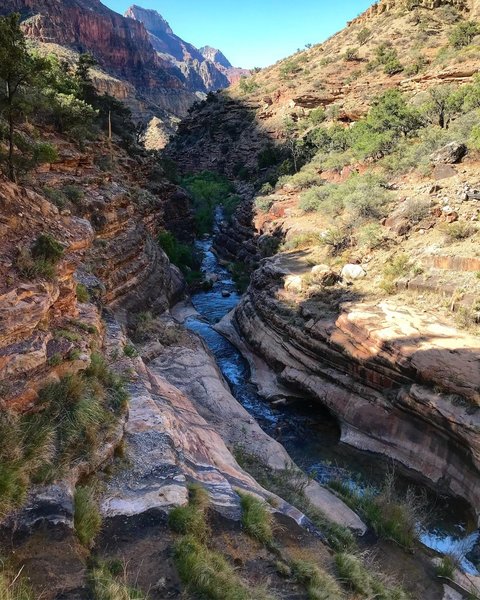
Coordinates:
307	431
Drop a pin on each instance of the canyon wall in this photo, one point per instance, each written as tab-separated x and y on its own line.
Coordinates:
401	383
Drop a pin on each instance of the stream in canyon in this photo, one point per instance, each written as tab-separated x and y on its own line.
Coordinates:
308	432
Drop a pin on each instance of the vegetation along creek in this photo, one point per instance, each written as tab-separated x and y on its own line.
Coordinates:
240	301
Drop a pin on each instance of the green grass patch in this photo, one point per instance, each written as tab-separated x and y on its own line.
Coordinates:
257	519
290	484
14	587
319	584
209	574
74	416
87	518
363	581
392	516
108	582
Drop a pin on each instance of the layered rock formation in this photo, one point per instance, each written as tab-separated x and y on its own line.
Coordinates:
200	73
402	384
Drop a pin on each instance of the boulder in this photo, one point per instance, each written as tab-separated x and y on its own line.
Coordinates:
294	283
450	154
353	272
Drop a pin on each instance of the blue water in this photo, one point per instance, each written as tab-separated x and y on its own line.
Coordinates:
306	430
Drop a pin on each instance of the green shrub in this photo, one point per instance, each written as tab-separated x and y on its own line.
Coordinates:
416	209
208	190
387	56
181	255
256	519
74	193
82	293
313	199
55	196
397	267
351	54
248	85
130	351
370	236
317	116
87	518
463	33
363	36
263	203
32	268
47	248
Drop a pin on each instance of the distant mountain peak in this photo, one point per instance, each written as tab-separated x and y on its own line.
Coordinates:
216	56
152	19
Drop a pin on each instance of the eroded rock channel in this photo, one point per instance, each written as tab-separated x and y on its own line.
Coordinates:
307	429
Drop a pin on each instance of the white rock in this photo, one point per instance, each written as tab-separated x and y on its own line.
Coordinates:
352	272
293	283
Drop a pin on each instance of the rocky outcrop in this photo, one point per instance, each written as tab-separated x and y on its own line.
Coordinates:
222	63
402	384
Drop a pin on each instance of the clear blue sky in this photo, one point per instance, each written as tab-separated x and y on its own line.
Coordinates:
252	32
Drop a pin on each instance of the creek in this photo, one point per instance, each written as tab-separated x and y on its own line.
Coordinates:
309	433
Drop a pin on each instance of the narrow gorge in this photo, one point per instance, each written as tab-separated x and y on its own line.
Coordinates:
239	327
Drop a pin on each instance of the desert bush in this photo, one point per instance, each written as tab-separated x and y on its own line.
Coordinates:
464	33
312	199
363	36
460	230
248	85
416	209
394	269
336	238
387	56
317	116
55	196
351	55
40	259
267	188
370	236
82	293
